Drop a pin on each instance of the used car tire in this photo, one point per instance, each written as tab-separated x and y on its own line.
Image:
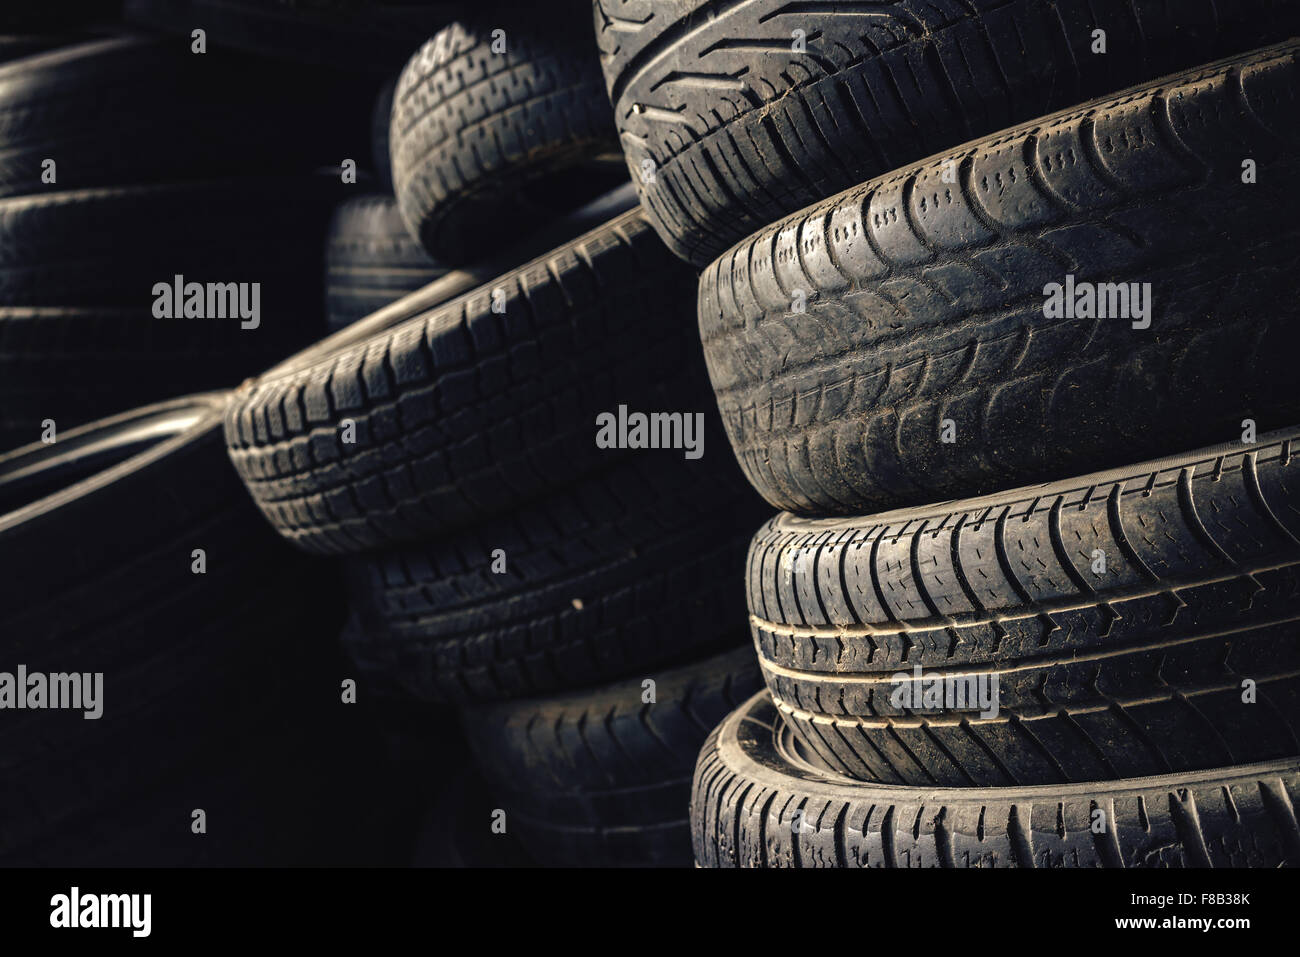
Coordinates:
463	412
601	778
908	341
727	128
487	144
629	568
757	803
1139	621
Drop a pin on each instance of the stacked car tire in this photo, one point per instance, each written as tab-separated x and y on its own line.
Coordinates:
903	345
136	569
570	601
993	300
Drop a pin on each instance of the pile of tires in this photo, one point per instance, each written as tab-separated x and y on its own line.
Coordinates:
495	129
570	598
163	204
172	695
365	490
170	698
500	561
987	637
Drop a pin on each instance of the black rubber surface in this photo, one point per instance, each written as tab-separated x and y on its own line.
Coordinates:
78	333
632	567
139	110
741	130
1136	622
926	314
757	803
370	260
462	412
602	778
488	145
220	690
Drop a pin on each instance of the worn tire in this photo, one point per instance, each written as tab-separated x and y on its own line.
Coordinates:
97	533
370	260
489	145
751	783
630	568
1121	614
925	313
462	413
93	107
600	778
743	131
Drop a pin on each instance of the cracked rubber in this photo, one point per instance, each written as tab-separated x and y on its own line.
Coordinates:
601	778
757	803
633	567
487	146
741	130
139	110
462	413
925	303
370	260
1122	614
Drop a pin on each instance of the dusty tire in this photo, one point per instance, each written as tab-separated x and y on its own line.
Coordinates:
78	333
489	145
601	778
141	492
463	413
631	568
93	107
370	260
757	803
923	364
1137	622
741	130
